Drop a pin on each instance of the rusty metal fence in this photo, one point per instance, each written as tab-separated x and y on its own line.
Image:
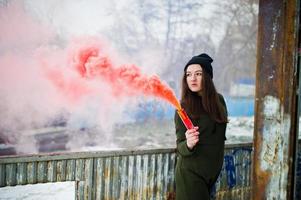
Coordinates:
137	174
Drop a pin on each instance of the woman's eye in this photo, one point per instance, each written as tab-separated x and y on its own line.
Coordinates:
188	75
199	74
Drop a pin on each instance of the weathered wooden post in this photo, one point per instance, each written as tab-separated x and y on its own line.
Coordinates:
275	134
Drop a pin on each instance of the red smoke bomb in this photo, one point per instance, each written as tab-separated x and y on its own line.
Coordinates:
185	119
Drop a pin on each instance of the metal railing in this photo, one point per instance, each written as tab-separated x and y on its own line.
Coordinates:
129	174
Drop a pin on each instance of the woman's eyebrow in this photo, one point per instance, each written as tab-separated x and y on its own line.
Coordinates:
194	71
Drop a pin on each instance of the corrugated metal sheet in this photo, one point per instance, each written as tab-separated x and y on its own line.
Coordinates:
138	174
141	174
235	178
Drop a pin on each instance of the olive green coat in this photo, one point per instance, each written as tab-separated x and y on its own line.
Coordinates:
198	169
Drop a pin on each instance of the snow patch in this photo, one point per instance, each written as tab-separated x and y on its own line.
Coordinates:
45	191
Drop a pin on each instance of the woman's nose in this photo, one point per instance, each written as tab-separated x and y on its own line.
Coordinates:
193	76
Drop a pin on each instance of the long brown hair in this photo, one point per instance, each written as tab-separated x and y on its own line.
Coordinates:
209	102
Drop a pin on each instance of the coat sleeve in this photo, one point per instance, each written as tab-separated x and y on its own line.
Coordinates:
181	138
222	100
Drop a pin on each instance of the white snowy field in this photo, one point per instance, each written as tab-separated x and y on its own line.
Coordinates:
161	134
138	135
142	135
43	191
146	135
150	135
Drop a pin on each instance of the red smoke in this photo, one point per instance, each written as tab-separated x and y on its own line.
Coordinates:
90	62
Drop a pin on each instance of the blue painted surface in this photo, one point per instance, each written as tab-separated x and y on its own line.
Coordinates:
230	170
240	106
151	110
247	81
237	164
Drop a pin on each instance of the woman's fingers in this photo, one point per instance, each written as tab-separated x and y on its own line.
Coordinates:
192	137
191	134
191	131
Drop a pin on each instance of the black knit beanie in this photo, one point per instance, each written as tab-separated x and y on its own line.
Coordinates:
204	60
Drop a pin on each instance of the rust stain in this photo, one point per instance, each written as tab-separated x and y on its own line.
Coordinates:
260	177
77	189
107	172
275	77
171	196
271	153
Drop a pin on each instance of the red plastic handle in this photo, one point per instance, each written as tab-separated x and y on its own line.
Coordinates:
185	119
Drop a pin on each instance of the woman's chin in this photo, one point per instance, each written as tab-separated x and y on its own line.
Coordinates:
195	90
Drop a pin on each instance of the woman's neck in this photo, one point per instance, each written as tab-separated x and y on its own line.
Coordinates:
200	93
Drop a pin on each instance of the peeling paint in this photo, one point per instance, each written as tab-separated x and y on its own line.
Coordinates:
275	147
271	107
275	30
277	108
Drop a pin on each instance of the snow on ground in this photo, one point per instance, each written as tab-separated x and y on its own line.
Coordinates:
42	191
161	134
240	129
140	135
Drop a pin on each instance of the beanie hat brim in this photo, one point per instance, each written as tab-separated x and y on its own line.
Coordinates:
204	60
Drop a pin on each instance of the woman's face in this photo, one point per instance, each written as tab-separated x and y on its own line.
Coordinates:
194	76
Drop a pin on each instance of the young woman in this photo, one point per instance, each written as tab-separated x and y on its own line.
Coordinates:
200	151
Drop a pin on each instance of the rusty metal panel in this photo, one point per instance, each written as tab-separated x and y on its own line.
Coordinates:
2	175
21	173
117	177
147	174
10	174
123	172
275	107
51	171
138	184
42	172
99	173
70	170
152	176
79	180
61	170
79	169
130	177
234	181
107	177
32	173
134	177
79	190
145	166
171	186
88	179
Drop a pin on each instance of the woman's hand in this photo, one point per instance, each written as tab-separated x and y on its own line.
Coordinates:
192	137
